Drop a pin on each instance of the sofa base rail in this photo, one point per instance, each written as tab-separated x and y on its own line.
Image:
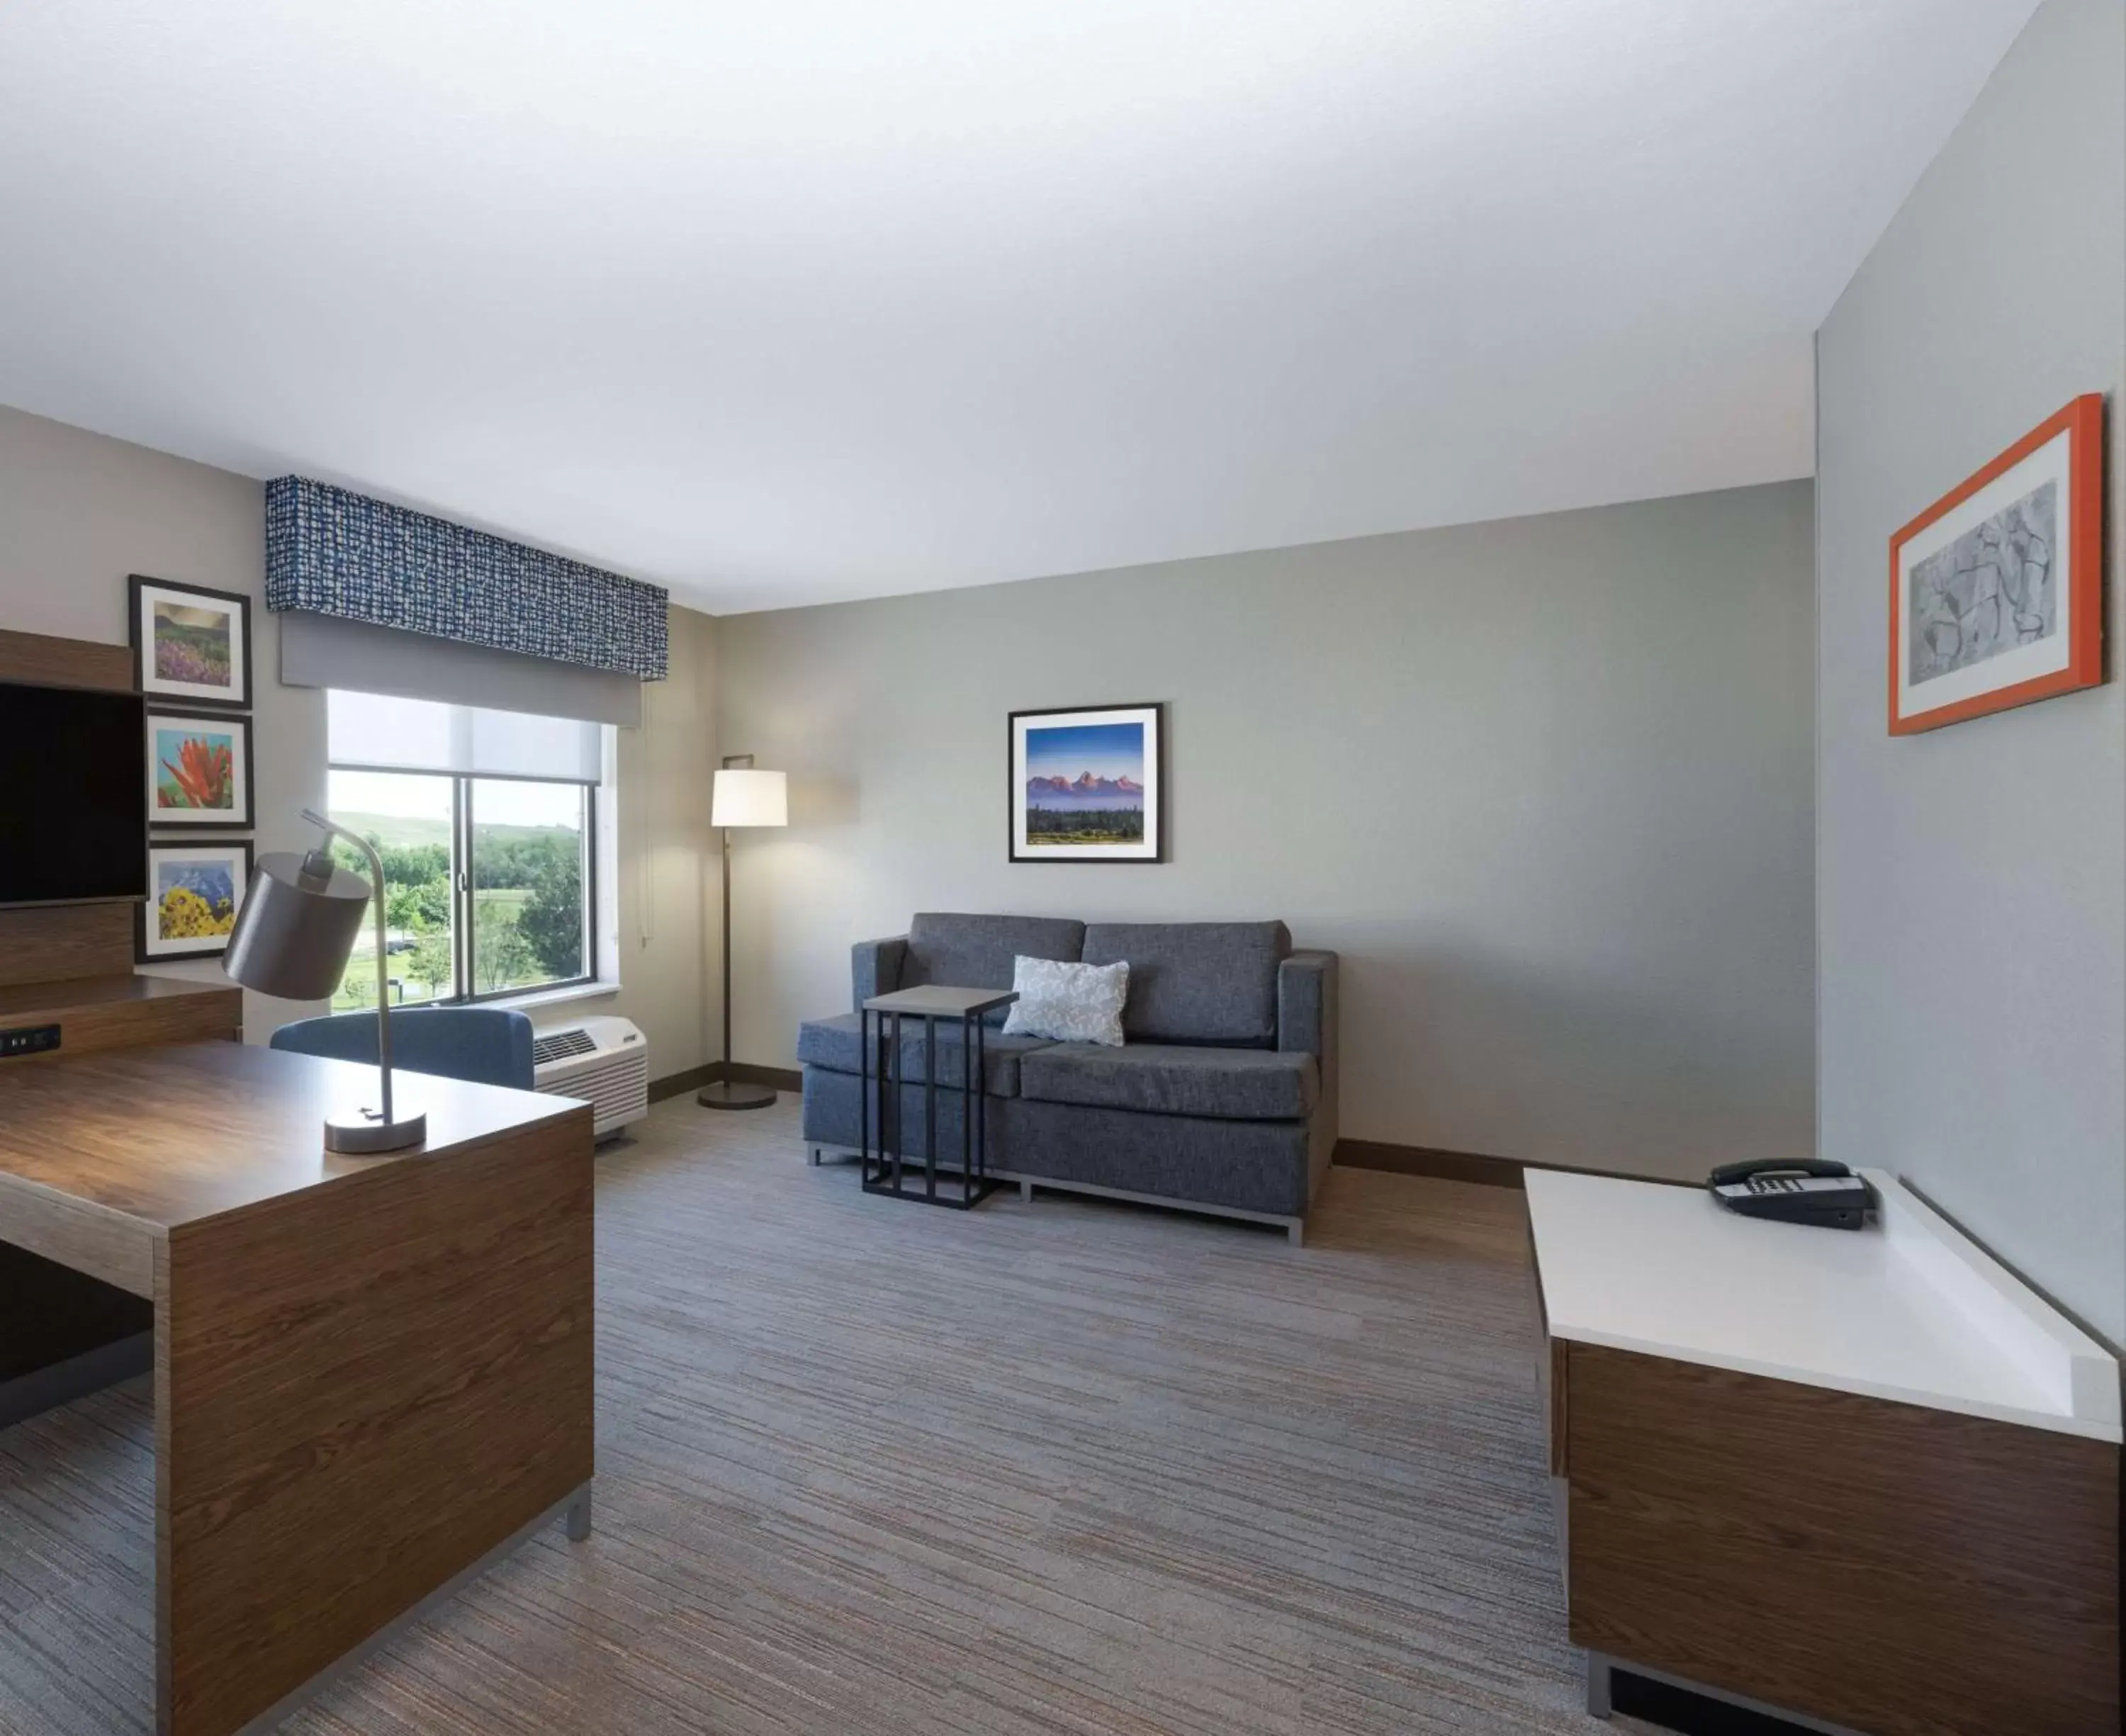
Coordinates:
1294	1229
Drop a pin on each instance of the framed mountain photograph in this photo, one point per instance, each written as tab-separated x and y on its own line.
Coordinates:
1088	784
194	893
190	643
1997	589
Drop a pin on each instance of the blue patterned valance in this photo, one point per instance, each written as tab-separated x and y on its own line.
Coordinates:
332	552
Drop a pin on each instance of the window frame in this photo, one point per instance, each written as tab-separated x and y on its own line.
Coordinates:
464	905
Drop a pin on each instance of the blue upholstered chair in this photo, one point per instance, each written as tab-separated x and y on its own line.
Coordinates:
486	1045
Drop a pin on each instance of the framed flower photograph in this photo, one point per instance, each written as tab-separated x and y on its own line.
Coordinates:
194	892
199	770
1088	784
190	643
1997	589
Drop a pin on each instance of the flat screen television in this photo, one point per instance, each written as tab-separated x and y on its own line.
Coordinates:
74	826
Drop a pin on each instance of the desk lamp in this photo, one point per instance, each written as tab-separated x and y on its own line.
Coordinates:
292	938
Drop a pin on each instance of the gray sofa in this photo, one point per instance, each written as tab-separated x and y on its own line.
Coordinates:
1222	1099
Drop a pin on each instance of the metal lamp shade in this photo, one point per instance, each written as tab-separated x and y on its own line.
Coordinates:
296	928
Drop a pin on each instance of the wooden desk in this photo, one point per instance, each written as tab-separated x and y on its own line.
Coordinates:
1868	1478
370	1373
72	1334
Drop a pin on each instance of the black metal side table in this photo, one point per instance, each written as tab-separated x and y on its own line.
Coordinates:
881	1064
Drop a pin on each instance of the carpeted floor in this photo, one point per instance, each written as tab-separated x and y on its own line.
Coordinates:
1056	1467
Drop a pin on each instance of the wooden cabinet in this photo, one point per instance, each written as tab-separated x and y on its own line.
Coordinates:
1868	1479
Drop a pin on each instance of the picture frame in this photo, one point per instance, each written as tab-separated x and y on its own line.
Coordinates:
1997	589
199	771
190	644
195	890
1087	784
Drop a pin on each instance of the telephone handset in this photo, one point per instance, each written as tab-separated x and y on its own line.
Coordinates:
1794	1191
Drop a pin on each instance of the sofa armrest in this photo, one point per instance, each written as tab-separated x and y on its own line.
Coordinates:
1306	1018
875	968
1307	1004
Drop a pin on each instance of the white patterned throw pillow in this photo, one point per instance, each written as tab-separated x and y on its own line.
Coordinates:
1070	1003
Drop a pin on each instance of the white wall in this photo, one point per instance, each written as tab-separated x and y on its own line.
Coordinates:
1545	783
79	512
1971	880
669	944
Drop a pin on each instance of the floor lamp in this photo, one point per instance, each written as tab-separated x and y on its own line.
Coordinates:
742	797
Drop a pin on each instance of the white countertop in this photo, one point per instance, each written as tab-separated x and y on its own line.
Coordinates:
1912	1310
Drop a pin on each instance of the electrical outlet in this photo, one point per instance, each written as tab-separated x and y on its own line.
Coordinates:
29	1040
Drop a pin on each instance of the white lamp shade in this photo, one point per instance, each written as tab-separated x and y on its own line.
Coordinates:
745	798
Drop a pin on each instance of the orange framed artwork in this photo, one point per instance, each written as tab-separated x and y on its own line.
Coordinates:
1997	589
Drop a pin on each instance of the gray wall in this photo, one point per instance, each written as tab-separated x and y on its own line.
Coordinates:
1545	783
79	512
1971	881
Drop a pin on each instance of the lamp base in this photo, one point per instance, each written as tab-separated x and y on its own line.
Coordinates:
365	1133
735	1094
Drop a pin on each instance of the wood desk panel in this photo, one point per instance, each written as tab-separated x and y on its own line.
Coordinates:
1872	1563
66	943
126	1012
46	661
369	1372
106	1245
362	1390
165	1137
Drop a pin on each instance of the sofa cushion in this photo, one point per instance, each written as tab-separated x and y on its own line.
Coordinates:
1201	983
978	951
1172	1079
1240	1165
836	1044
1237	1166
1071	1004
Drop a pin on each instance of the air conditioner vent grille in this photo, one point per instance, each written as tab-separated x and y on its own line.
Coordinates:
559	1046
603	1061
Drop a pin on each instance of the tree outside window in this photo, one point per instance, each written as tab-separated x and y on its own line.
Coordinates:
503	861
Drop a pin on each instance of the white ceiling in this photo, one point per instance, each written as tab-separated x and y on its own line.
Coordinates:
800	300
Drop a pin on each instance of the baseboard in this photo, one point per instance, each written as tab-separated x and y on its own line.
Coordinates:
1468	1165
1425	1160
76	1377
746	1072
678	1084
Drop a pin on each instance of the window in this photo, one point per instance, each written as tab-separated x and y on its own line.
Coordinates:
530	869
412	821
488	881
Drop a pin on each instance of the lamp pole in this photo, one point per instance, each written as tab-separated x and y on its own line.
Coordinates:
726	834
386	1123
763	809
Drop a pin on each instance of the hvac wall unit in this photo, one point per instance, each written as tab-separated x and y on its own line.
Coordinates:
604	1061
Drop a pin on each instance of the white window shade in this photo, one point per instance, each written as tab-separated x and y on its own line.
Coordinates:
377	732
321	651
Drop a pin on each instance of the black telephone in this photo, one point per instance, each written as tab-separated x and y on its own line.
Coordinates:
1795	1190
